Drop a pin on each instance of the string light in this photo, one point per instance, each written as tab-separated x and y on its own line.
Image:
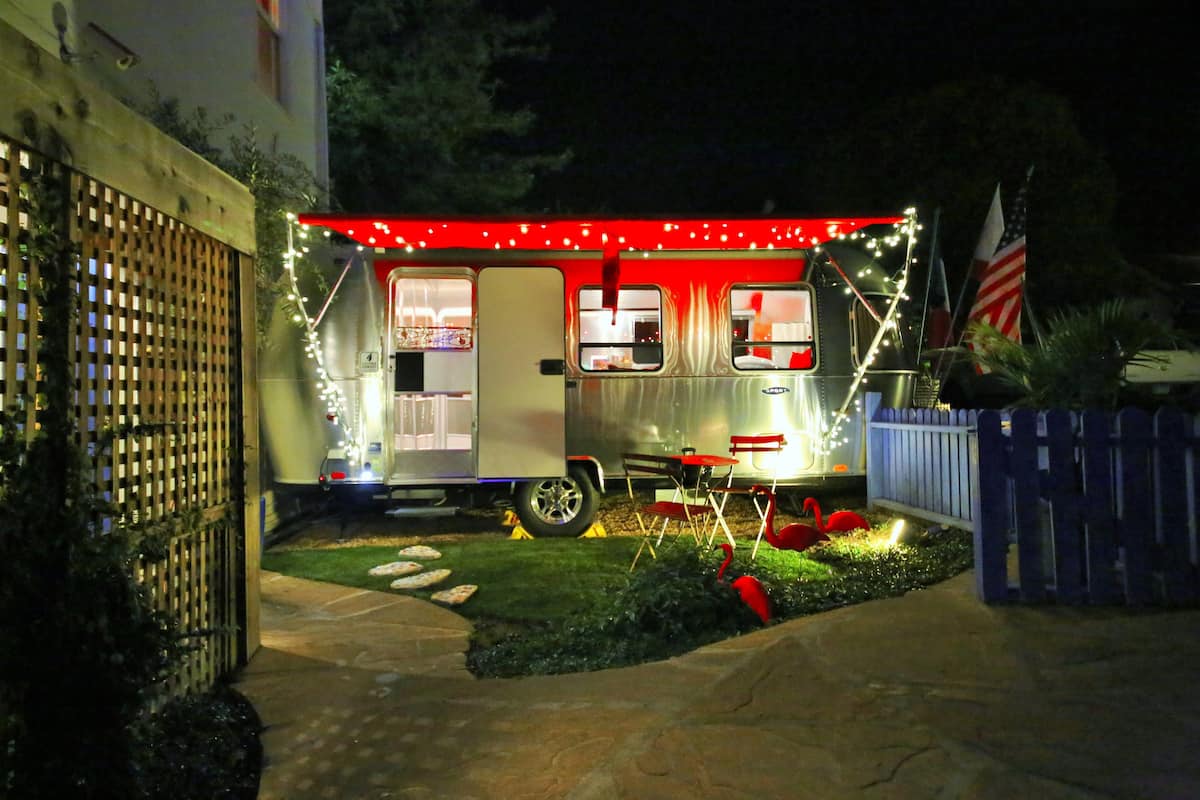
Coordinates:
634	235
831	433
328	390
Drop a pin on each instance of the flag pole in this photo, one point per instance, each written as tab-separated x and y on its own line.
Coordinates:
954	326
1033	321
933	254
962	295
937	372
993	227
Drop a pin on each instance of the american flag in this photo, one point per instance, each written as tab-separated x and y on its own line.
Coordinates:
998	302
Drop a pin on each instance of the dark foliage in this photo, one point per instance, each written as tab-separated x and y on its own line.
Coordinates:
414	125
279	182
203	747
948	146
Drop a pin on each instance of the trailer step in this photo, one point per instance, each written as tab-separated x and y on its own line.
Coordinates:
422	511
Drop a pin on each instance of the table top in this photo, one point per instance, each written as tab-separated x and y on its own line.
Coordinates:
705	460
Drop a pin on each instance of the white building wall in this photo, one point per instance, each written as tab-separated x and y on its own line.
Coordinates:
205	53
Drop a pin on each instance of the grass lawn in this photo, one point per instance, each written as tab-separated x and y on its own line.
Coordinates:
560	605
544	579
520	581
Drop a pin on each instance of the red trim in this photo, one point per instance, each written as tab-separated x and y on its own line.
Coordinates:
559	234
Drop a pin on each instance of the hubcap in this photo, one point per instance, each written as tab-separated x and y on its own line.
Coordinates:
557	501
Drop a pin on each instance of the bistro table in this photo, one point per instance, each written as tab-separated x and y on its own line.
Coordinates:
699	462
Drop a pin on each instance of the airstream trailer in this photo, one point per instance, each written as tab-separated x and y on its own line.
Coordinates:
525	356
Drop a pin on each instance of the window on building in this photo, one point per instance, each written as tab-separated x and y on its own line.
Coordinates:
894	349
632	340
772	327
268	48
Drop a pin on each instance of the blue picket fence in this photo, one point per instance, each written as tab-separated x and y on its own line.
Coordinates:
1077	508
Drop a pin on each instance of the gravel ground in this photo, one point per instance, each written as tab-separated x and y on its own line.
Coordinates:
370	525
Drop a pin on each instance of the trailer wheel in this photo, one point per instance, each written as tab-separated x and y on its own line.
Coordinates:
557	506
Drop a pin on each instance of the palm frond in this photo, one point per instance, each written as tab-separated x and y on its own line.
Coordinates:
1080	362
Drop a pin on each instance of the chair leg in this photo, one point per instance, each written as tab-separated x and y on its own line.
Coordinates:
762	527
712	533
645	544
662	531
725	527
757	539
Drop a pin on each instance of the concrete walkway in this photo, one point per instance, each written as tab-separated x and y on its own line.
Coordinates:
930	695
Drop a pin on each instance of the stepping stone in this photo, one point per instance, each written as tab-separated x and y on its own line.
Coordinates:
396	568
456	596
419	551
422	580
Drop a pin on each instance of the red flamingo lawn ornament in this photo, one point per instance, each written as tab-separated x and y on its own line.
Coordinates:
797	536
844	521
748	587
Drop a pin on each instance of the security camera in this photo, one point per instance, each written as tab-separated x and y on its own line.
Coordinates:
127	61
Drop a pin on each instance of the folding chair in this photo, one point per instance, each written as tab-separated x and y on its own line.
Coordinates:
758	443
677	509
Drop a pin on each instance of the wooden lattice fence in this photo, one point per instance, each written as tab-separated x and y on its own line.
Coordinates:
157	343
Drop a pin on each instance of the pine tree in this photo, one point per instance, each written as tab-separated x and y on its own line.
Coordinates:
413	124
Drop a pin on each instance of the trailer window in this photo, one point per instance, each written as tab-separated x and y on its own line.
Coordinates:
630	341
893	352
772	327
431	314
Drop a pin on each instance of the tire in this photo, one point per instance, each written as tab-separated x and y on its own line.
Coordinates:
557	506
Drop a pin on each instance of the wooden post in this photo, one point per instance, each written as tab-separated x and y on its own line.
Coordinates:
1133	495
1101	548
1023	472
1171	505
988	509
249	478
1064	507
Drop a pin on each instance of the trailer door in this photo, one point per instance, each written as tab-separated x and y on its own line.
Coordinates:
522	394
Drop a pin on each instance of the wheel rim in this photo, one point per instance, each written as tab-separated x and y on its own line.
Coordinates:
556	502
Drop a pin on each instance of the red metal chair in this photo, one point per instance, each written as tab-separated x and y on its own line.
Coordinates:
677	509
772	443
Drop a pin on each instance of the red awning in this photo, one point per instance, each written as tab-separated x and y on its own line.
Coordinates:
566	234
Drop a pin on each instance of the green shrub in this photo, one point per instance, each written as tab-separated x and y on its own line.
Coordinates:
669	606
201	747
673	604
676	597
862	572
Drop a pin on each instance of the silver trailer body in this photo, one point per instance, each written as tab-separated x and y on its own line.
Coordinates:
508	390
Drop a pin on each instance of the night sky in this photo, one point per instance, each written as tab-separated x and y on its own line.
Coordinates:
675	107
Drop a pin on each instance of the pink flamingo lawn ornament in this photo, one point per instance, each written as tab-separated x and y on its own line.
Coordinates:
797	536
748	587
844	521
